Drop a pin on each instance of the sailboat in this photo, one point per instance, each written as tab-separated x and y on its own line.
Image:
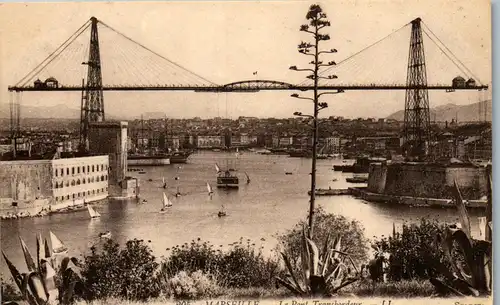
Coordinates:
57	246
210	191
248	178
93	213
164	183
222	212
166	204
217	168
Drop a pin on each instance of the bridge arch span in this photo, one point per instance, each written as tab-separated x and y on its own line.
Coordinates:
257	84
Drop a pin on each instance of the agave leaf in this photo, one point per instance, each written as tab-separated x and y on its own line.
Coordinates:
326	246
16	275
442	287
345	283
39	248
482	251
74	268
47	249
48	275
290	270
30	263
314	256
465	245
305	259
64	263
336	246
32	289
68	292
345	254
290	286
334	273
447	244
37	287
462	210
326	261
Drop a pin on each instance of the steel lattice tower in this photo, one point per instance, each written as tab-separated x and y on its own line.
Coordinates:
416	118
92	107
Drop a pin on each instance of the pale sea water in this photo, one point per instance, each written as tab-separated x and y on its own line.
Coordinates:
270	204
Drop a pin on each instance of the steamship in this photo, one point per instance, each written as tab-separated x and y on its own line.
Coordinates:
145	159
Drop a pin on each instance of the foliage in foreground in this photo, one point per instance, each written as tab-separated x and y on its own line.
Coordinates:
9	291
128	273
412	250
42	284
325	225
471	265
241	266
192	286
323	274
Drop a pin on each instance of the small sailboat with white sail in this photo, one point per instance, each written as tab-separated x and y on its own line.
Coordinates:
210	191
166	204
57	245
164	183
248	178
93	213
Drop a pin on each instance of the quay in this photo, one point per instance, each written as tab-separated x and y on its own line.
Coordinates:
363	193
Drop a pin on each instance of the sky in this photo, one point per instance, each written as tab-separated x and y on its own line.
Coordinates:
227	41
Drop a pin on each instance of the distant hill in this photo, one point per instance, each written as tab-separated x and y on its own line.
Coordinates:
38	112
45	112
448	112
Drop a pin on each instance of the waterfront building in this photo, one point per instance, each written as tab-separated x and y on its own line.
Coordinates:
209	141
30	186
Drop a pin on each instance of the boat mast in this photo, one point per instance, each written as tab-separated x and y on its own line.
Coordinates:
142	134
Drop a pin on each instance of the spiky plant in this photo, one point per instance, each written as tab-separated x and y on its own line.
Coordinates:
471	267
39	285
322	274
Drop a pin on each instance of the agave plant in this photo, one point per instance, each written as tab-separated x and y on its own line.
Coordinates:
471	269
321	274
38	285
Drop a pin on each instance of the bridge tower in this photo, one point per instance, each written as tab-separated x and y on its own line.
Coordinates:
416	117
92	104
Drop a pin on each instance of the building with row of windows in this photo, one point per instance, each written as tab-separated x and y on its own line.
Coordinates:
30	186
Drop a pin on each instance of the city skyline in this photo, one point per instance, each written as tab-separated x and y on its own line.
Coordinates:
234	46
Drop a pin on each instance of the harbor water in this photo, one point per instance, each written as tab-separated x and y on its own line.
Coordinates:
270	204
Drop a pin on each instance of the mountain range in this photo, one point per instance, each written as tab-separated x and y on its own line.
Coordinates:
449	112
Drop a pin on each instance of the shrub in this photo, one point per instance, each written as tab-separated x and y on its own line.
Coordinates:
351	232
191	257
412	251
9	291
128	273
241	266
192	286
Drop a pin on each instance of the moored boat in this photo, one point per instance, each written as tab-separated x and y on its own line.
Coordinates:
330	192
179	157
358	179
